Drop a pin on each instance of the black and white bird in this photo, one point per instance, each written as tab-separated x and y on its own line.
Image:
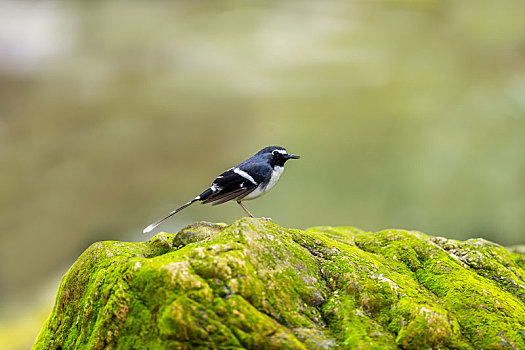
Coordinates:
247	180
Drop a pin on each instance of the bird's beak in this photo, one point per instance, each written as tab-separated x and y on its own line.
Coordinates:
292	156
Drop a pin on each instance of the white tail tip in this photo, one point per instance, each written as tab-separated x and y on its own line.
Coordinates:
150	228
158	222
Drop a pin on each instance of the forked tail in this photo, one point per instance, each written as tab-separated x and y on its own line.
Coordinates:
158	222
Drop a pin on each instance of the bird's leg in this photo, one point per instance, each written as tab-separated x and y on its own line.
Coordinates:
248	212
245	210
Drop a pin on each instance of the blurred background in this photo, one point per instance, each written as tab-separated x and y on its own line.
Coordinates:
407	114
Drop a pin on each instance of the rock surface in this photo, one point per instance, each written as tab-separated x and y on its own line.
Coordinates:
255	285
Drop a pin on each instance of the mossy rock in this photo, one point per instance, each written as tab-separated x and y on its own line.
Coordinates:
255	285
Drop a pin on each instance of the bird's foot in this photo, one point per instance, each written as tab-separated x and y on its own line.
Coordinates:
266	219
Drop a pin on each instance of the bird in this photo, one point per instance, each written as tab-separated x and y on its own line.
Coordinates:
247	180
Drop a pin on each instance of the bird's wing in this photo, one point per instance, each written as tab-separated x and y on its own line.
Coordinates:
238	194
234	183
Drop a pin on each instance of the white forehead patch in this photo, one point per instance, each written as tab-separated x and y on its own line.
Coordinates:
282	151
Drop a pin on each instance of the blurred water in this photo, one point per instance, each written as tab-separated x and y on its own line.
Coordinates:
407	114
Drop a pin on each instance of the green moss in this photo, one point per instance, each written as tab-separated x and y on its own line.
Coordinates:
256	285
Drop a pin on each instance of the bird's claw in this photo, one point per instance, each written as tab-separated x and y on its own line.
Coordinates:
266	219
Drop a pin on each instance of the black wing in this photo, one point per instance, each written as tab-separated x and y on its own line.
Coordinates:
229	185
235	183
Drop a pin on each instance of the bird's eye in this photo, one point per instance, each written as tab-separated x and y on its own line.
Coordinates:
275	153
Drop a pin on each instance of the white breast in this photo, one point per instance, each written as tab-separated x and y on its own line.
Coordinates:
259	191
276	174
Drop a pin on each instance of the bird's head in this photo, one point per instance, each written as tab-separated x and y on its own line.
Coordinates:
277	155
